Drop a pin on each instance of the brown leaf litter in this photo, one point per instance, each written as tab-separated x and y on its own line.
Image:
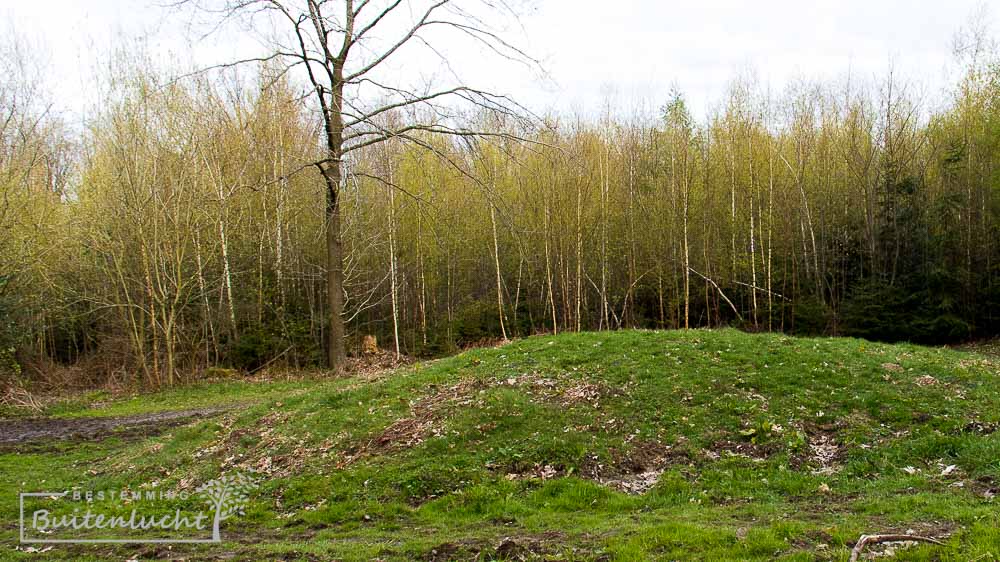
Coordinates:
823	453
424	421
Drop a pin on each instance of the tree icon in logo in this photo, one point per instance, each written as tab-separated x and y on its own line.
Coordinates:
228	495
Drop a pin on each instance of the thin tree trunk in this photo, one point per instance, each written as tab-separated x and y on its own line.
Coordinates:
227	275
732	207
579	254
423	280
393	284
630	300
211	340
604	322
687	260
517	295
496	261
770	228
753	250
548	272
152	315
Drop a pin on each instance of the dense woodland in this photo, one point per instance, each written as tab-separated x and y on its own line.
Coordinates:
182	227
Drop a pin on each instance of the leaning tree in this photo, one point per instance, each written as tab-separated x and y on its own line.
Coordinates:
340	49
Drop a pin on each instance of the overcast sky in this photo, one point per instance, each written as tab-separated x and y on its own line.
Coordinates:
631	51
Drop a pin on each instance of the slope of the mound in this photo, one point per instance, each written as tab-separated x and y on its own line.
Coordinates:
628	445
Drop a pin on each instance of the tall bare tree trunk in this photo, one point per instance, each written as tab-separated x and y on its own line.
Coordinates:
753	237
548	271
579	254
279	224
732	207
221	222
770	228
151	313
687	258
604	322
393	283
332	171
423	280
496	261
630	298
517	294
210	336
334	271
448	292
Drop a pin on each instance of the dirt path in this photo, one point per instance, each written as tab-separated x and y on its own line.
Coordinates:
41	430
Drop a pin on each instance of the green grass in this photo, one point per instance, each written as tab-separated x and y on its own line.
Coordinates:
446	460
189	396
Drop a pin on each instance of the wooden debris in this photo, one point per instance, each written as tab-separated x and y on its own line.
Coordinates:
867	540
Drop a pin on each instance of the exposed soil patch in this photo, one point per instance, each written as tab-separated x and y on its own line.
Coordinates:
638	470
561	390
747	449
526	547
457	550
634	471
824	452
647	455
590	393
18	431
980	428
635	484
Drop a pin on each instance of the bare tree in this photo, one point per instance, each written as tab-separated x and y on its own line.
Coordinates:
334	44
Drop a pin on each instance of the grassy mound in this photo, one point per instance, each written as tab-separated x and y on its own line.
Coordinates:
696	445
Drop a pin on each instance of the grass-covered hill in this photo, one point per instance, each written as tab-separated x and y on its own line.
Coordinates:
687	445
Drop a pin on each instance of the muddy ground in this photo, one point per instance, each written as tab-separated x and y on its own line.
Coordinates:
33	431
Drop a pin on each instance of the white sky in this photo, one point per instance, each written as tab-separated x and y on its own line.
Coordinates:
630	50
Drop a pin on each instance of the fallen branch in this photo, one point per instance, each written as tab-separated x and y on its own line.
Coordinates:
718	288
762	290
867	540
